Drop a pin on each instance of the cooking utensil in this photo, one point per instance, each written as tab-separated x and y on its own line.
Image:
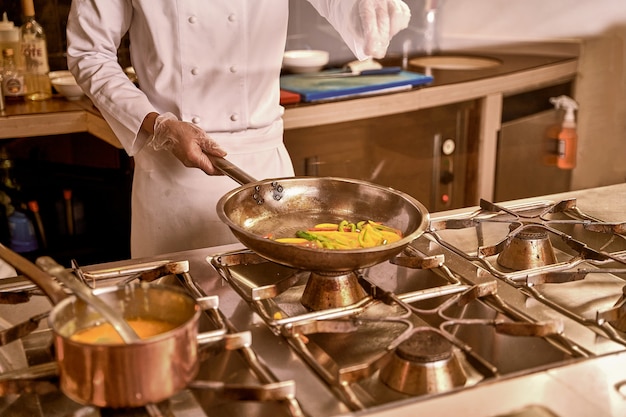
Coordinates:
128	375
122	375
284	205
349	73
149	371
148	274
120	325
33	205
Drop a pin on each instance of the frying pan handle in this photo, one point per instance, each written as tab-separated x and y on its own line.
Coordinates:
48	285
231	170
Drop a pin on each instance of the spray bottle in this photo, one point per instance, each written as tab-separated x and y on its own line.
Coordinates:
565	135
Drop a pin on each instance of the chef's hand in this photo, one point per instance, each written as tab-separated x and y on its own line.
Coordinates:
186	141
380	21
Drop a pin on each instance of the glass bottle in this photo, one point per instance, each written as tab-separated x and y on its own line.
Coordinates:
12	77
35	54
10	37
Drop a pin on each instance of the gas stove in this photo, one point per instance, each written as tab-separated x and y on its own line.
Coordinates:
512	309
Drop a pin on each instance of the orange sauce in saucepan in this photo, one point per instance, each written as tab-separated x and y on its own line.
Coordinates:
104	333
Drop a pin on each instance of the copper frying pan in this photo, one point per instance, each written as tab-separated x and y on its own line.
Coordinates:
282	206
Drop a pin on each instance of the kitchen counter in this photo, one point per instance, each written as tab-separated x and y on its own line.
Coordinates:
54	117
517	73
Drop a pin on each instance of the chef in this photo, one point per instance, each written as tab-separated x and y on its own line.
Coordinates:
209	77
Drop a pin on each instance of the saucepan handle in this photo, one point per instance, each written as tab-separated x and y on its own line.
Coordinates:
231	170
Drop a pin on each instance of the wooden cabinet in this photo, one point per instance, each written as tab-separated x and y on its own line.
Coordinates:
425	153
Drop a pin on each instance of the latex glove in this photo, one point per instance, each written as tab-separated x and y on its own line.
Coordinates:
381	20
186	141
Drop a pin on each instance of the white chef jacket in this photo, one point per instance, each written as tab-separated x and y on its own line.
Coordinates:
212	63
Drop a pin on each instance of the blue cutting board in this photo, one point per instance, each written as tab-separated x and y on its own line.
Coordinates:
314	88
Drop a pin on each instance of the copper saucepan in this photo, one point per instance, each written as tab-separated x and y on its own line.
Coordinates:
119	375
128	375
282	206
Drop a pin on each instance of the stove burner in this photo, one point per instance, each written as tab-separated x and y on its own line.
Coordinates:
529	248
423	364
325	291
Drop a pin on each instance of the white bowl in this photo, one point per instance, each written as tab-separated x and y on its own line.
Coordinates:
57	74
304	60
67	87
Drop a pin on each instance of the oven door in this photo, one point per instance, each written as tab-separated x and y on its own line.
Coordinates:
422	153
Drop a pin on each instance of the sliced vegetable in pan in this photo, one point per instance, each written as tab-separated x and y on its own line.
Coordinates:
345	235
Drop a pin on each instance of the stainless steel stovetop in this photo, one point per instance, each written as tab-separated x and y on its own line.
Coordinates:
444	329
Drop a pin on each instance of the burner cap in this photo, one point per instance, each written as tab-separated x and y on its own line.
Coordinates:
425	346
532	233
529	248
423	364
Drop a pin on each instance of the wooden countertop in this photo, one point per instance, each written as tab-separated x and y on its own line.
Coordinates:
517	73
54	117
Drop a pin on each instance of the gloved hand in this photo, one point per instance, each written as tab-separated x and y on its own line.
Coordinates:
380	21
186	141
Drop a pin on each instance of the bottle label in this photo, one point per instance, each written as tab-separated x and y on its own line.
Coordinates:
35	56
560	148
13	86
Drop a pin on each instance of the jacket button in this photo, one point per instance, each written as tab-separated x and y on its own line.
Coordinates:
192	19
233	69
231	18
234	117
194	71
195	120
